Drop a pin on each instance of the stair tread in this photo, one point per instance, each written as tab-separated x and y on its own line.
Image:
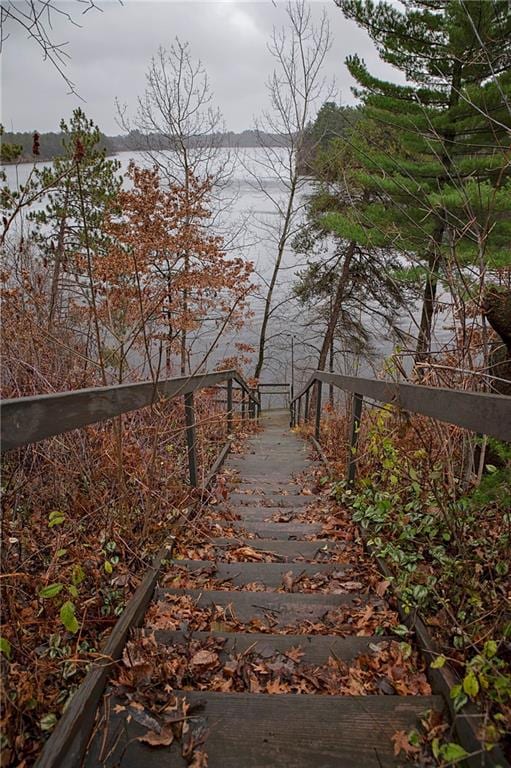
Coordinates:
285	608
282	731
276	500
283	531
317	649
259	513
269	574
292	548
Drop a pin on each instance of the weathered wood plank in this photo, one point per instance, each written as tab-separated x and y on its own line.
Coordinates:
285	608
30	419
309	550
269	574
482	412
280	531
316	649
283	731
275	500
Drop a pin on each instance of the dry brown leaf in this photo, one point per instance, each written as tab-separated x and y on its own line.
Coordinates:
162	739
352	585
248	552
288	581
295	653
402	744
204	659
382	587
199	759
275	686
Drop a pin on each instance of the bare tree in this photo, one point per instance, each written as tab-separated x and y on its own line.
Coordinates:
296	87
176	120
37	18
180	131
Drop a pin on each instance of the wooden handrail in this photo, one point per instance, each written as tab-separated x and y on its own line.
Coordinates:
482	412
27	420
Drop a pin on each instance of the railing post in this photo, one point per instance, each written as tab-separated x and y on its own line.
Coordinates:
190	438
317	431
258	405
251	406
355	428
243	404
229	406
298	411
306	413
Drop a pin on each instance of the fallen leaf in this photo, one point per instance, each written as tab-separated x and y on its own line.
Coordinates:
402	744
350	585
199	759
162	739
295	653
247	552
288	581
204	659
382	587
275	686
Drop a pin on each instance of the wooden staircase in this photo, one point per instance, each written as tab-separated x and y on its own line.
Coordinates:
256	730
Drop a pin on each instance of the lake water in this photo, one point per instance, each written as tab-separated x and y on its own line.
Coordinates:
243	208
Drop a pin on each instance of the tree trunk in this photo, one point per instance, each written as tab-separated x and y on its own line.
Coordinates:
334	314
337	305
276	270
428	301
59	257
435	257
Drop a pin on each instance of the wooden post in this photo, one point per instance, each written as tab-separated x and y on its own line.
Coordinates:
229	406
355	427
243	404
298	411
317	431
306	414
190	438
258	405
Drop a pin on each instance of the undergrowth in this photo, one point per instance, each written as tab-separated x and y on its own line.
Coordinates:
77	536
448	545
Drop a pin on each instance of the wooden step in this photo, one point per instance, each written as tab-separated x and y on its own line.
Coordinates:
238	500
285	608
270	489
283	531
262	482
288	550
317	649
273	467
272	731
259	513
268	574
268	474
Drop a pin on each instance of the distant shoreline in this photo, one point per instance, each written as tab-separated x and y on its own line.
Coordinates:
134	142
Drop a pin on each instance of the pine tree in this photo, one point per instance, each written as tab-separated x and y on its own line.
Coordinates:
83	184
445	183
350	268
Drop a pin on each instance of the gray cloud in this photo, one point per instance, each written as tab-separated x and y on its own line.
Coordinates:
111	50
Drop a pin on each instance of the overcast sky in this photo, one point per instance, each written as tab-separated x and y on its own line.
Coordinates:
111	50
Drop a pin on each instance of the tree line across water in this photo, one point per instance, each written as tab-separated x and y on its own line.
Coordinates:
18	146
